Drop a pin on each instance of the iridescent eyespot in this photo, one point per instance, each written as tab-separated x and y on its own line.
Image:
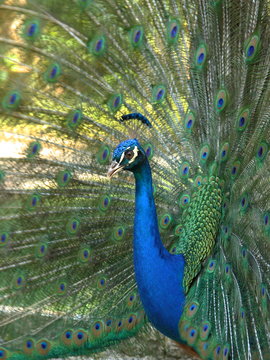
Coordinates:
80	337
97	329
173	249
224	152
3	354
130	322
85	254
226	351
244	203
97	46
225	231
173	29
108	322
192	309
115	102
101	283
4	236
131	299
242	120
72	226
227	269
33	202
12	100
158	94
31	30
66	337
33	149
63	178
136	35
235	169
165	221
192	335
43	347
204	348
221	100
103	154
244	252
119	325
217	351
118	233
200	56
184	327
198	181
178	229
184	201
104	202
204	153
19	281
263	290
242	313
53	73
149	151
41	249
205	330
28	346
61	288
184	170
189	121
211	265
266	223
262	151
74	119
252	48
225	205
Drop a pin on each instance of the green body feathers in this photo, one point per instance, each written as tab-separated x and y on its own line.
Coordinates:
199	72
201	227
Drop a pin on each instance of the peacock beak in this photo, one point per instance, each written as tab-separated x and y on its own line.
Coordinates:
114	168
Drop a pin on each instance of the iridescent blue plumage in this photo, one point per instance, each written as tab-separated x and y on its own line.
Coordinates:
78	271
158	272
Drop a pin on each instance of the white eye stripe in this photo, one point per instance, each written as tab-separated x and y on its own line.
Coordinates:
135	155
122	157
135	150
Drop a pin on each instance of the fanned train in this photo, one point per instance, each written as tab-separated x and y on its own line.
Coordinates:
175	93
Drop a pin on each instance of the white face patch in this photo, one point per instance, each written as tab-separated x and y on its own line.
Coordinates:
135	150
122	157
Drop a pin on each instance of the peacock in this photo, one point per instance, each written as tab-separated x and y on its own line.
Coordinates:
134	176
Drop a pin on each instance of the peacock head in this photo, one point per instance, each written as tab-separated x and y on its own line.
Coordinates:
127	156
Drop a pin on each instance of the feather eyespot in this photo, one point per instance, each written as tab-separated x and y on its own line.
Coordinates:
129	154
173	30
28	346
136	36
3	354
200	56
43	347
226	351
11	100
4	238
266	223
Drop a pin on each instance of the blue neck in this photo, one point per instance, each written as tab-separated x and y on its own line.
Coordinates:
159	274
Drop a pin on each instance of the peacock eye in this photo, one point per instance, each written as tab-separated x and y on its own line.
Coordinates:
129	154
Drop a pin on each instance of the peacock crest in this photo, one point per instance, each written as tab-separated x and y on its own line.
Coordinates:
176	94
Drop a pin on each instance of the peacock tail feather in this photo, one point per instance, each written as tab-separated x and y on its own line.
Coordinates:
198	71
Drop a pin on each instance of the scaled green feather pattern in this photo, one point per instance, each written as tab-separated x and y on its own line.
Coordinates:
198	70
